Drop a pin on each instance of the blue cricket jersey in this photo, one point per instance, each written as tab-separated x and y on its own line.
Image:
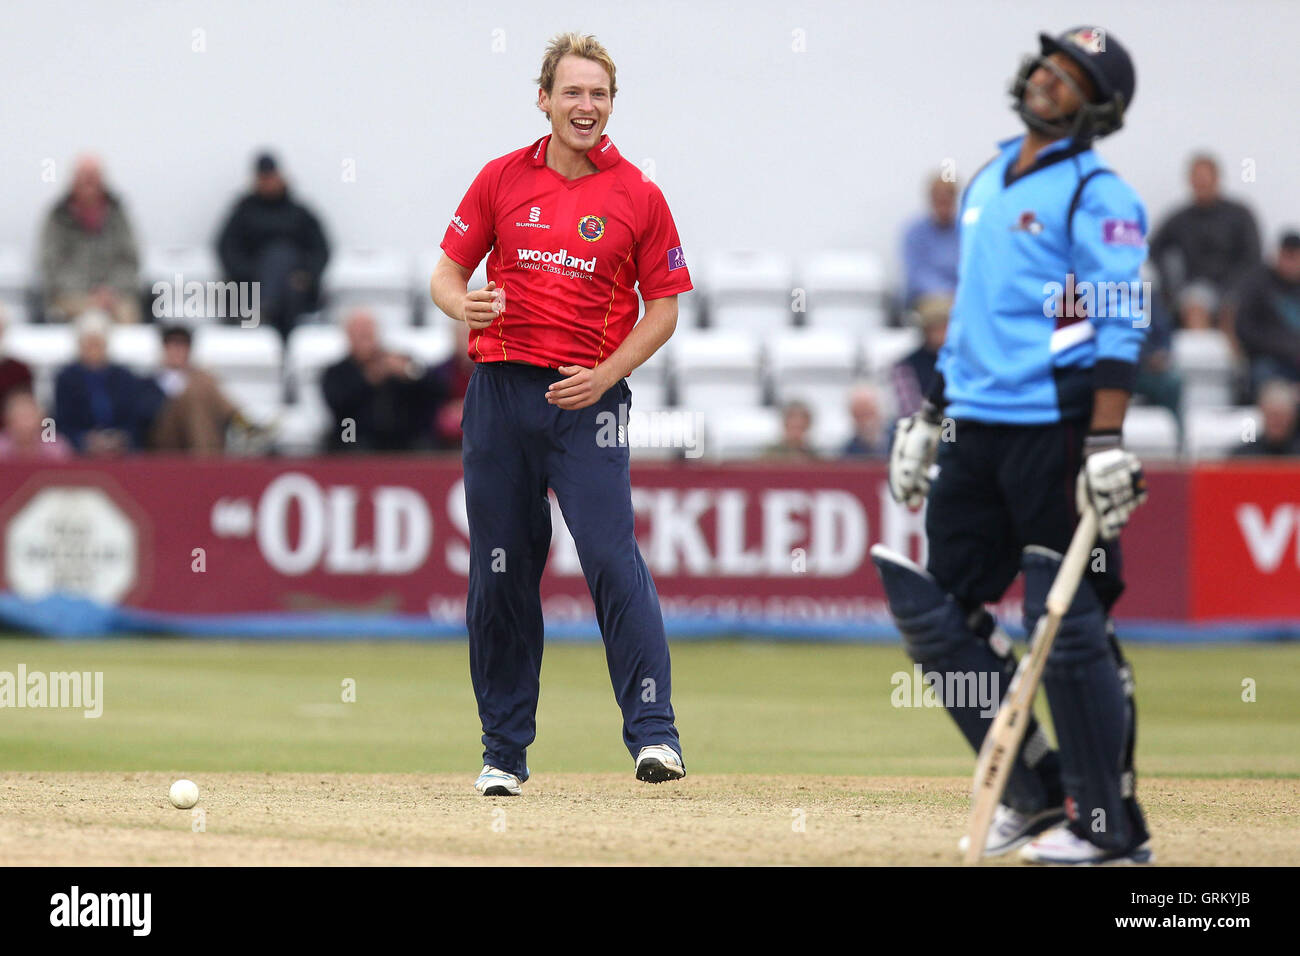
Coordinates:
1048	304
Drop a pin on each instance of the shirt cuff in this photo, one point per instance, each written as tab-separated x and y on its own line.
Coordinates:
1114	373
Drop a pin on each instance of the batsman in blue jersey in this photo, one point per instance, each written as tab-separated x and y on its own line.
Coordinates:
1021	431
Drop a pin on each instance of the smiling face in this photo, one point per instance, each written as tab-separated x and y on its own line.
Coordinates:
579	103
1048	94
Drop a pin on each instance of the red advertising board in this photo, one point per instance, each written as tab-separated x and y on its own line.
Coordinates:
1246	542
775	543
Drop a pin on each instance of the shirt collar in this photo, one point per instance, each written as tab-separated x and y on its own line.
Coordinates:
603	155
1063	143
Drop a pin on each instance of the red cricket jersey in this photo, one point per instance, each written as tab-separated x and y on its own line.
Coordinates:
569	254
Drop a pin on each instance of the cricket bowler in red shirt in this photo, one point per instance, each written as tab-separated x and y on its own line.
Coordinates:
571	232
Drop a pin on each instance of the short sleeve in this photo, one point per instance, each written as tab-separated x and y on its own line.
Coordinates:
1109	246
660	261
471	233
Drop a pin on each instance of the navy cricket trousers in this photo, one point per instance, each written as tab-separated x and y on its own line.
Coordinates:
516	445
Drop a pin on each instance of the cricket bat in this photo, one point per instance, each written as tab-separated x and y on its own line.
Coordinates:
1002	742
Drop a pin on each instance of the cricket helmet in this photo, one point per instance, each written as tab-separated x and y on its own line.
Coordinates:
1105	62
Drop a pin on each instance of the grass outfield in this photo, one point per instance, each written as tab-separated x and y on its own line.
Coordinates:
205	706
796	756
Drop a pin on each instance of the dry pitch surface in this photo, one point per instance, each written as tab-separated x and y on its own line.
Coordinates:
564	819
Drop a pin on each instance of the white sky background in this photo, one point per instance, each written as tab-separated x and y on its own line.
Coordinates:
755	145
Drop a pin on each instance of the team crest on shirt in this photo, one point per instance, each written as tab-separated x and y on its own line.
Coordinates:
1028	222
591	228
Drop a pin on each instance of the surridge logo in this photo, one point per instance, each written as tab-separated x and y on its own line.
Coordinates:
560	258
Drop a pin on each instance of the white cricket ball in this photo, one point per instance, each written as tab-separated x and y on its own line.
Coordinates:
183	794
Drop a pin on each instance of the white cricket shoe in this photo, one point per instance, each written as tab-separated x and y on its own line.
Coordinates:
659	763
492	782
1061	846
1011	828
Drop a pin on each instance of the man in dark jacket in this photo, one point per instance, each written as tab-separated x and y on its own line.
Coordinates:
102	408
1207	245
1268	316
273	240
379	400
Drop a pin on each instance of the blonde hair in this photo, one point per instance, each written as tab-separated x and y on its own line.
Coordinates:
587	47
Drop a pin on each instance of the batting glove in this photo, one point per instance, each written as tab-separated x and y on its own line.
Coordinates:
1112	482
912	454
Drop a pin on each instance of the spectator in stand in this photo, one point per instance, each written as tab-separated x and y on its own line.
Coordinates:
930	246
1278	437
1206	246
27	434
389	398
1158	382
1268	315
14	375
88	251
796	423
1198	306
195	414
103	409
452	381
272	239
913	374
870	436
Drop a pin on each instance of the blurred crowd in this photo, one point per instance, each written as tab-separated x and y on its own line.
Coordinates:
1208	268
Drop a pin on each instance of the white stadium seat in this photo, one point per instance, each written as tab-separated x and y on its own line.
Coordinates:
1218	432
1151	431
884	348
247	363
1206	361
860	319
717	369
17	273
690	309
845	289
740	432
138	347
431	345
177	266
13	310
817	367
752	318
832	426
749	291
368	275
388	315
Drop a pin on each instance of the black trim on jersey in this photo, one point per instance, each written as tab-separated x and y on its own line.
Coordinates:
1074	388
1042	162
1114	373
1077	197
